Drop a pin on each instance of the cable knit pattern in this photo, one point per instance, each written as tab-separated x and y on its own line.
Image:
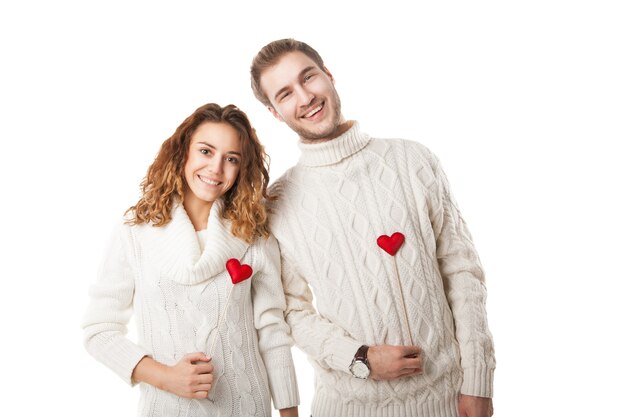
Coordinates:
339	198
178	293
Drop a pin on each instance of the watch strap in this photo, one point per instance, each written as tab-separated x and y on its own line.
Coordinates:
361	354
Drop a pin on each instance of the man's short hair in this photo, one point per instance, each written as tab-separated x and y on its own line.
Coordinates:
270	54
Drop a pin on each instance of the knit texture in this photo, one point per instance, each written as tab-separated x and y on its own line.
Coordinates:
333	205
178	293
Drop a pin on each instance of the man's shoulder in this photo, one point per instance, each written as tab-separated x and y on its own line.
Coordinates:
279	189
410	144
413	150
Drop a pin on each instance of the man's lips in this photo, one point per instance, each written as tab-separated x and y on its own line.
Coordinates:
313	111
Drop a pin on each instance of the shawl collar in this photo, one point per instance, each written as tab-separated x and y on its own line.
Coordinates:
177	252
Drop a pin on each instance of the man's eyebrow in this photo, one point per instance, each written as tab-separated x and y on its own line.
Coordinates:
304	71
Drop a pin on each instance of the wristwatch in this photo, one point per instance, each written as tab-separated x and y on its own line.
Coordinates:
360	366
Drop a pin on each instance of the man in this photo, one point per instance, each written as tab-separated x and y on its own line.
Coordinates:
370	226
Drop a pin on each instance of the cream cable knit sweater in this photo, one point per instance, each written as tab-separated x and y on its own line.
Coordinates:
341	196
178	294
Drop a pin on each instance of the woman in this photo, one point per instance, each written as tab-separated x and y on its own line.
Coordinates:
207	345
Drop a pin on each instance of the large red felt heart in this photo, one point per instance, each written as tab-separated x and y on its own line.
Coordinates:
237	271
391	244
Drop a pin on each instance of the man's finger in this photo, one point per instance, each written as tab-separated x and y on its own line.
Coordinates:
411	351
412	363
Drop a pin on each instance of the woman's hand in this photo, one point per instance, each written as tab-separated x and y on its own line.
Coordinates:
191	377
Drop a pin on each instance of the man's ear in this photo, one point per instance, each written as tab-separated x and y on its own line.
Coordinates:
329	74
275	113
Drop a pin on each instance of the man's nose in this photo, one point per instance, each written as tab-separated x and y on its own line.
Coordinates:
305	97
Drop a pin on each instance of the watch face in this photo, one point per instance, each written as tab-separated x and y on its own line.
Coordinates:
360	370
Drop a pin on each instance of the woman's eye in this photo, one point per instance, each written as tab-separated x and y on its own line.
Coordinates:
204	151
232	160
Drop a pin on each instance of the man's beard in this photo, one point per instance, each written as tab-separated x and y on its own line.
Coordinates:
310	135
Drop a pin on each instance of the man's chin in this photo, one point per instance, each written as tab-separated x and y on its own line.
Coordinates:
310	135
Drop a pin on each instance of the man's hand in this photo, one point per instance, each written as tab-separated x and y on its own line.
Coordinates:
391	362
289	412
475	406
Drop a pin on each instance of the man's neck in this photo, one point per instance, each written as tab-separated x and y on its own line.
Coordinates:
342	128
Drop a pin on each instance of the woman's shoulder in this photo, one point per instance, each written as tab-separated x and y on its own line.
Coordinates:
264	251
265	245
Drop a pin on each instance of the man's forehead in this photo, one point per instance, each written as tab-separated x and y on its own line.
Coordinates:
286	68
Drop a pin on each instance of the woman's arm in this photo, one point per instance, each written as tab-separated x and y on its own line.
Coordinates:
105	326
275	343
111	307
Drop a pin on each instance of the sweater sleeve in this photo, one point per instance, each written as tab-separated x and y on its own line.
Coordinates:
328	344
463	280
274	339
325	342
110	308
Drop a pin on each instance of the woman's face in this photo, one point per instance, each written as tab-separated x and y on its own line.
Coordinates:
213	162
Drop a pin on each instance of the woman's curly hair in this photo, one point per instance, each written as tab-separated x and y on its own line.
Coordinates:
244	202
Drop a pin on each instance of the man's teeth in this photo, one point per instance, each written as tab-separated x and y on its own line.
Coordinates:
312	112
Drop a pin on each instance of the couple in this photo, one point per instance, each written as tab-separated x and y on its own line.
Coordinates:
367	225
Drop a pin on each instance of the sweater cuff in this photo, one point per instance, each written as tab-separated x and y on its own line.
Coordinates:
343	353
281	375
121	357
478	382
285	396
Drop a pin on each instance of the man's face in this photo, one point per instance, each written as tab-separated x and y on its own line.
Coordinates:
303	96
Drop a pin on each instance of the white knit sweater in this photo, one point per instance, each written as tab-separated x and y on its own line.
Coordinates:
334	204
178	294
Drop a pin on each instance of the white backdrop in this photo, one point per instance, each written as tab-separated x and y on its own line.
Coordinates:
524	103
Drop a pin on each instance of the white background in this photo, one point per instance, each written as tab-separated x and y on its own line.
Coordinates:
524	102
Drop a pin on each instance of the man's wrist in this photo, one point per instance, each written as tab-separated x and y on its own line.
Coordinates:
360	367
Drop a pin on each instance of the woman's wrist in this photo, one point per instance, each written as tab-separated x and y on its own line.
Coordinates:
150	371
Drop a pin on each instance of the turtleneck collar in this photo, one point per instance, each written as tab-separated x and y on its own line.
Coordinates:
334	150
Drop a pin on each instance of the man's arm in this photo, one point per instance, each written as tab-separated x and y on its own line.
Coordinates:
331	345
463	280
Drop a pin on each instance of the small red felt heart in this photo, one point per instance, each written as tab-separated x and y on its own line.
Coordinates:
391	244
237	271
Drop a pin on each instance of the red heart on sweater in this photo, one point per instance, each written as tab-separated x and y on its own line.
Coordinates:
391	244
237	271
